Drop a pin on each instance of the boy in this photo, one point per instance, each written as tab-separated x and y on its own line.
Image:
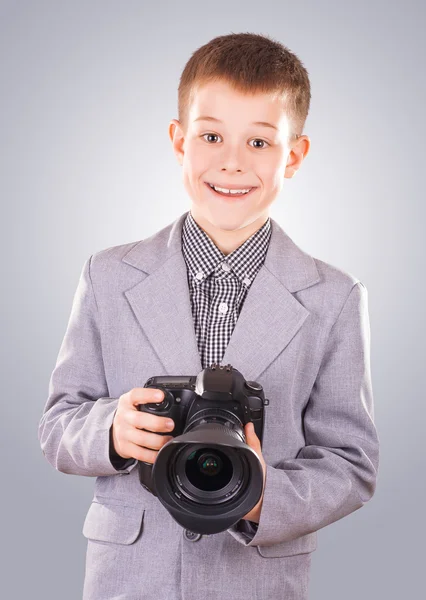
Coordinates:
223	283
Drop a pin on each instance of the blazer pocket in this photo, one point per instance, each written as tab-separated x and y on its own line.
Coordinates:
109	521
301	545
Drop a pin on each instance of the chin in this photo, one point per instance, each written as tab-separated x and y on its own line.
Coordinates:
218	218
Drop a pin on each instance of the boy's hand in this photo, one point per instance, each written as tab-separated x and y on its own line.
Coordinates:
253	441
131	428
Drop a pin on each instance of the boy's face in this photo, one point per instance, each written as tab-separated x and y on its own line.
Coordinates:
235	153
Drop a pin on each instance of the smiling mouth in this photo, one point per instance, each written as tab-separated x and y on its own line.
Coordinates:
232	196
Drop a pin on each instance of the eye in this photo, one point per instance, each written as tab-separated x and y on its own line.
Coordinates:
259	140
209	134
255	140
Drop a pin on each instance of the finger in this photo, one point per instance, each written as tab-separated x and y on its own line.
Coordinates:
140	395
251	434
141	453
147	439
252	430
143	420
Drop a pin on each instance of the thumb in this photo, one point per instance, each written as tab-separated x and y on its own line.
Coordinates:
251	435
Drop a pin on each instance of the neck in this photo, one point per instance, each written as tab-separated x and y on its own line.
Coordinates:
228	240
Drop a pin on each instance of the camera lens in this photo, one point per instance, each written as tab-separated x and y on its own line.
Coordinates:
208	470
209	464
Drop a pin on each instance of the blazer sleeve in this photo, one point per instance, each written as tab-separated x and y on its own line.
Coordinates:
335	473
75	428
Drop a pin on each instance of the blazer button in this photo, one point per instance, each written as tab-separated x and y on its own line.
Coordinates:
191	536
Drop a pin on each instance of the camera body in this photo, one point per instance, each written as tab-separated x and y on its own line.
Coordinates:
207	477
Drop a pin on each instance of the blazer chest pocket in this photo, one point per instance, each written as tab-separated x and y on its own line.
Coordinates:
108	520
302	545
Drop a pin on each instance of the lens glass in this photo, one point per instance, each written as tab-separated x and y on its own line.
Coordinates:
208	469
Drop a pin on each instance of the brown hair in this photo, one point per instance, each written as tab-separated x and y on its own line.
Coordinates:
250	63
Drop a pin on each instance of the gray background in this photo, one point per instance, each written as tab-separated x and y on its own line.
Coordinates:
87	92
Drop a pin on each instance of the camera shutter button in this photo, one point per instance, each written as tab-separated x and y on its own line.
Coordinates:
191	536
162	404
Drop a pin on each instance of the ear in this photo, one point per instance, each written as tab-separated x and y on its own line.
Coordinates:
298	152
177	137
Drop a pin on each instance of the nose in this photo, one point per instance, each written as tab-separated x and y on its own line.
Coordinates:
232	159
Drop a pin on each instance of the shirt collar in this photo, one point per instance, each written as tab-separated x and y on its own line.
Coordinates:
203	256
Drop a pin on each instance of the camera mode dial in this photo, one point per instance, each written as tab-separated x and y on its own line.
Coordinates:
253	386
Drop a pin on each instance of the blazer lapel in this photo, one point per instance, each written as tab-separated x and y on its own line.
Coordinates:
269	319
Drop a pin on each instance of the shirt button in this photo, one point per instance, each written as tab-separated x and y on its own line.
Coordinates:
223	307
191	536
246	281
200	275
226	267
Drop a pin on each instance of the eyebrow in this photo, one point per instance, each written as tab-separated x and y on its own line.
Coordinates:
264	123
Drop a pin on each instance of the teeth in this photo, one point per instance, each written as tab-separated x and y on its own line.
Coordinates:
225	191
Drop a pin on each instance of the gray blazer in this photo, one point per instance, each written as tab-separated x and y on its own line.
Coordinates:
303	333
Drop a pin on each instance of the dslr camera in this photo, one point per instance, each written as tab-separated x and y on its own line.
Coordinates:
207	477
